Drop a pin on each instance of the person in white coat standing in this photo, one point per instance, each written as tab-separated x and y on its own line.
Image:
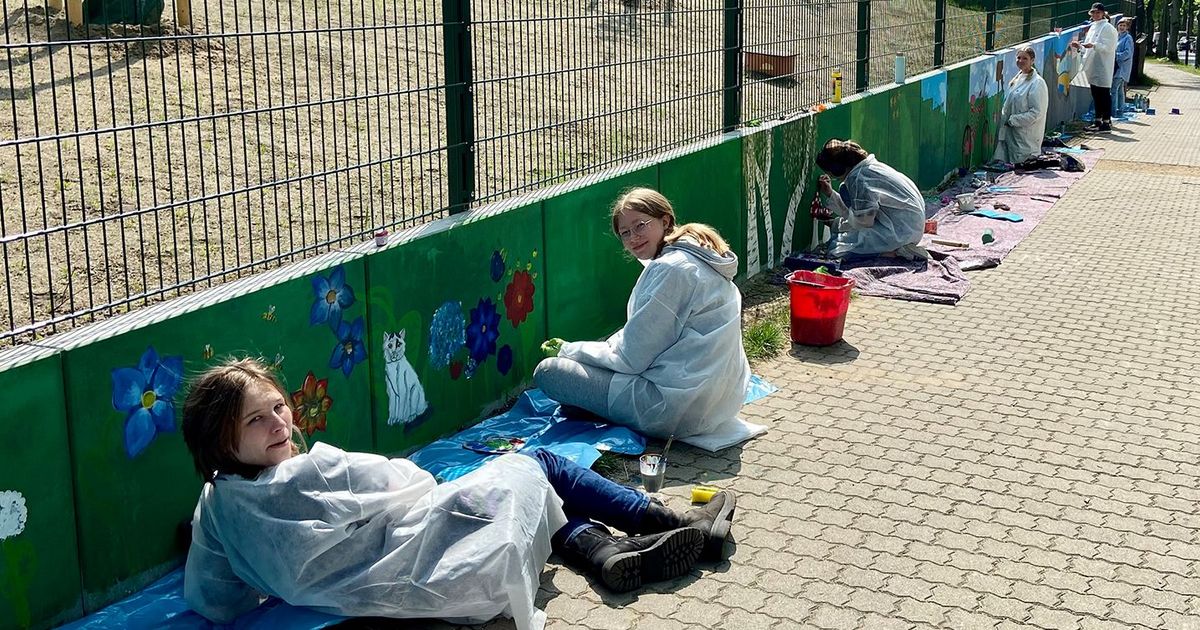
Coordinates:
1023	117
677	367
1099	49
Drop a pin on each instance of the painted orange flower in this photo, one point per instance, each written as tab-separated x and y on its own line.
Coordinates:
311	403
518	298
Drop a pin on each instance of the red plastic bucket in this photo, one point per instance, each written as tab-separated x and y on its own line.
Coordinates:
819	304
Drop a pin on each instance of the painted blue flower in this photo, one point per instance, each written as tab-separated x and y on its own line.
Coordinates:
447	333
497	266
144	394
349	350
504	359
483	330
333	295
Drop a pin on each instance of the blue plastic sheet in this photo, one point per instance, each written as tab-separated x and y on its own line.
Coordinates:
758	388
539	420
161	605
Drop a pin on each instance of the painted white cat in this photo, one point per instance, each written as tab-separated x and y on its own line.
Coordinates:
406	397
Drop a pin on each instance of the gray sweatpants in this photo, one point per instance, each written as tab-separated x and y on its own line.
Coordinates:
573	383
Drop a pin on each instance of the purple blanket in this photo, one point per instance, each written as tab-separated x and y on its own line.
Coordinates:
939	281
1030	195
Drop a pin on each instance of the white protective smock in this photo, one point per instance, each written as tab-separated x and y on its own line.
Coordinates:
1099	60
679	366
357	534
1023	118
883	212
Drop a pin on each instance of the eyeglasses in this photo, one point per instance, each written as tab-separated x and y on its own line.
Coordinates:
638	229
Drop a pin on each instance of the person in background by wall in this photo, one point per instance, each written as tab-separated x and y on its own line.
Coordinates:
1099	49
881	210
358	534
1023	117
677	367
1124	59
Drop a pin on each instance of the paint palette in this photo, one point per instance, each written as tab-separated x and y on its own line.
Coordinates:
495	445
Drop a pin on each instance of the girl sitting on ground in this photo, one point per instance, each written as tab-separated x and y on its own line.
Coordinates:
357	534
881	210
677	367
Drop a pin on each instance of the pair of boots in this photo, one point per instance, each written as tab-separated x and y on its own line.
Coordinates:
666	545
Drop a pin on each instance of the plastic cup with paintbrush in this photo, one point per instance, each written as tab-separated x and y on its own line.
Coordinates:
653	467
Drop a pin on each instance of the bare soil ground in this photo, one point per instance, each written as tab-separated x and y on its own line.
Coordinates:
139	162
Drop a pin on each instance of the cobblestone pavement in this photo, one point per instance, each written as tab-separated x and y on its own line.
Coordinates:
1027	459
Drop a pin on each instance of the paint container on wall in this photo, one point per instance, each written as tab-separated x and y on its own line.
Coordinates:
837	85
899	67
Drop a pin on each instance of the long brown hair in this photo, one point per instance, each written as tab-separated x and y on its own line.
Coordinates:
652	203
837	157
210	416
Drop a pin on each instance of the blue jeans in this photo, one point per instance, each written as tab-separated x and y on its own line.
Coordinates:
1118	96
588	497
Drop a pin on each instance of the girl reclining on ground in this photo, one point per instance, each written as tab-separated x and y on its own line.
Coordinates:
357	534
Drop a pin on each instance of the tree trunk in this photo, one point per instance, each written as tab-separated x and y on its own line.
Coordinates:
1173	40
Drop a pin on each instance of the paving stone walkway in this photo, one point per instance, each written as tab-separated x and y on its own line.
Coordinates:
1027	459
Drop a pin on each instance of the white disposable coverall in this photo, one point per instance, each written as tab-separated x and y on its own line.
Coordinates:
1101	58
357	534
1023	118
679	366
880	192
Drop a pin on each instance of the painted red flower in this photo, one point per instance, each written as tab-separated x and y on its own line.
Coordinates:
311	403
455	369
518	298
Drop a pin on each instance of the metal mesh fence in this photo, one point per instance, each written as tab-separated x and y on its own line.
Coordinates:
562	89
141	161
138	162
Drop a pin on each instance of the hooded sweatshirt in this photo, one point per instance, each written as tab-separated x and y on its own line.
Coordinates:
679	366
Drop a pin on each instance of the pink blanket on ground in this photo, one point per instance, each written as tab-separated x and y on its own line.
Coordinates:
1030	195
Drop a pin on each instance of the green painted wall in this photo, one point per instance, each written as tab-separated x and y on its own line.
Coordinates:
932	162
39	566
586	297
959	147
125	494
471	304
700	197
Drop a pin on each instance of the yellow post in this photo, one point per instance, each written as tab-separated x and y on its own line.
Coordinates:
183	12
75	12
54	4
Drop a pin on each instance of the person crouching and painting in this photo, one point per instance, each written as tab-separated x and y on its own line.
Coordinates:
880	211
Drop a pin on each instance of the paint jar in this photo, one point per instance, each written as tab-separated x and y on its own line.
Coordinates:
653	470
899	63
966	203
988	236
381	238
703	494
837	85
931	226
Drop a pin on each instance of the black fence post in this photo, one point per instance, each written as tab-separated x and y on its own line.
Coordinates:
1027	21
939	34
990	38
732	106
460	105
863	47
